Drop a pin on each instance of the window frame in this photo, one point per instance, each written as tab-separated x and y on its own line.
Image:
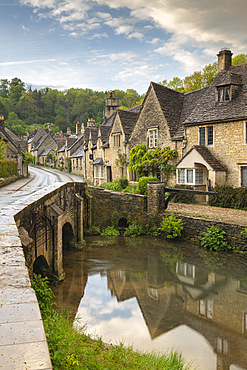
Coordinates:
117	140
195	176
224	94
152	138
206	135
98	171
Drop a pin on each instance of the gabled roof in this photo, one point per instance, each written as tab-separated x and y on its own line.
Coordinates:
78	153
208	156
171	104
104	133
109	121
208	109
128	121
94	134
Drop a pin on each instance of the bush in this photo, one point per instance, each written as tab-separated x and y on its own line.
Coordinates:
183	197
130	189
110	231
214	239
226	197
171	226
142	184
8	168
123	182
113	185
133	230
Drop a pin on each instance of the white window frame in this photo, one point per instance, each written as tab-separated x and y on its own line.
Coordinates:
98	171
185	176
153	138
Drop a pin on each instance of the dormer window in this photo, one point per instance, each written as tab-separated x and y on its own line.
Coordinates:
224	94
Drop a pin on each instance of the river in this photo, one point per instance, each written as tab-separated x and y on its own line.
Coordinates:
159	296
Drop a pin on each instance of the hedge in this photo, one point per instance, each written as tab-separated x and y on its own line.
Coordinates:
184	197
8	168
229	197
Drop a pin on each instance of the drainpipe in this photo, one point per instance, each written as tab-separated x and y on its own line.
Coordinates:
183	147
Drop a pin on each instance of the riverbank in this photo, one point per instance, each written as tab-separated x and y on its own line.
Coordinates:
71	348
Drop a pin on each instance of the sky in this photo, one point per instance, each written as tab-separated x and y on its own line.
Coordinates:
115	44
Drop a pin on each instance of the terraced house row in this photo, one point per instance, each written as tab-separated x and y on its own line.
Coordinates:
208	128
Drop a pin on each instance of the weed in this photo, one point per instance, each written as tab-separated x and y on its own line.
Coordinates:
110	231
171	226
133	230
214	239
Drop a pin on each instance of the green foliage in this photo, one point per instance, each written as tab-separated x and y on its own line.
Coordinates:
8	168
3	147
142	184
136	157
16	125
121	160
49	158
134	230
183	197
131	189
244	233
171	227
229	197
94	230
69	164
123	182
158	160
112	185
44	293
28	158
214	239
110	231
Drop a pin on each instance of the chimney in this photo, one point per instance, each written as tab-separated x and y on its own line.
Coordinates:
90	122
68	131
78	128
49	127
82	128
224	60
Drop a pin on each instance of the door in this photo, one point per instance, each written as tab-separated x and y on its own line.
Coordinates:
244	176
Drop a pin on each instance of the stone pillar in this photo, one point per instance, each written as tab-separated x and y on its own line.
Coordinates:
155	197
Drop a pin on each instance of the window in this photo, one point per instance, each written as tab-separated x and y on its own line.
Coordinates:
243	175
153	136
206	133
202	136
206	308
98	171
117	140
193	176
223	94
199	176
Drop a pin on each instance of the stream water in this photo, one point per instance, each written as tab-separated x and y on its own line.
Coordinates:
160	296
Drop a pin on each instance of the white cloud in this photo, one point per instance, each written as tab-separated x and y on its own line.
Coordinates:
136	35
24	28
155	40
26	62
145	71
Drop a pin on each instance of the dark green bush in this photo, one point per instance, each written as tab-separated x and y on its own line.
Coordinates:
134	230
8	168
110	231
142	184
113	185
214	239
226	197
183	197
123	182
130	189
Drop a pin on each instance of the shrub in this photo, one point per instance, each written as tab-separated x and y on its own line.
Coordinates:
113	185
171	226
183	197
8	168
130	189
214	239
226	197
133	230
43	292
123	182
110	231
142	184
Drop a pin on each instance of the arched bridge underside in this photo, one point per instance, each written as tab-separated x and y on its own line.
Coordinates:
50	223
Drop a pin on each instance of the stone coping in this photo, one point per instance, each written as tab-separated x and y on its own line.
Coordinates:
23	343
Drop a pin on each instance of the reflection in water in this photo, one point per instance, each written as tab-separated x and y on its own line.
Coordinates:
159	296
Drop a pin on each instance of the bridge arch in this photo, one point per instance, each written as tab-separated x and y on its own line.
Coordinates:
68	237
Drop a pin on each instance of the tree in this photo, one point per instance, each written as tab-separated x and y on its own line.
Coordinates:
176	84
16	89
239	59
15	124
158	160
136	158
3	147
4	88
28	158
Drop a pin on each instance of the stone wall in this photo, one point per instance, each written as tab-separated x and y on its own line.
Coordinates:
108	207
229	147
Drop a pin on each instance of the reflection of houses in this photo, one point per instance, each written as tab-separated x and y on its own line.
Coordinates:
185	294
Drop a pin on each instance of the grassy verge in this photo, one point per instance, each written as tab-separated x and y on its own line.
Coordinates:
73	349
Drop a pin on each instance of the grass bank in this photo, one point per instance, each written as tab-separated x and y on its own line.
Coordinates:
73	349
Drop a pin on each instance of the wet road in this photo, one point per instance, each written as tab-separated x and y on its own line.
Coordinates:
38	179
